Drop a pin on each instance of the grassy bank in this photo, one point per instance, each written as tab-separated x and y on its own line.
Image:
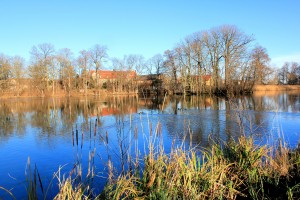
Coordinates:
233	170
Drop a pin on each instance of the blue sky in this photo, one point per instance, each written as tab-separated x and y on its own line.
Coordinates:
145	27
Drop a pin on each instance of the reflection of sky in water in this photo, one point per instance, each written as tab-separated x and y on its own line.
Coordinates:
42	129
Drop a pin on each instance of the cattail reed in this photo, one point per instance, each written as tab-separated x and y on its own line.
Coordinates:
76	136
158	129
95	128
90	129
150	129
73	136
82	136
191	137
136	133
106	137
91	163
110	171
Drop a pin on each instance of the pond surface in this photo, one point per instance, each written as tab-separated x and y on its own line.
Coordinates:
82	135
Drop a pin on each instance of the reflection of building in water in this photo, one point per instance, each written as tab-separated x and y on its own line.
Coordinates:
106	111
113	108
198	102
208	101
152	102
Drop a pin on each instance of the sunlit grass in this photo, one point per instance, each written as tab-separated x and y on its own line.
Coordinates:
228	171
231	170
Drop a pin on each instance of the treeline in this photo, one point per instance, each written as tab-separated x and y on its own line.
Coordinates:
219	60
289	74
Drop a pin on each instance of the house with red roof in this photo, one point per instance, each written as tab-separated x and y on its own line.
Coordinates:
112	75
206	79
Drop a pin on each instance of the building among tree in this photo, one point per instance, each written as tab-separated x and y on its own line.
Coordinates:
112	75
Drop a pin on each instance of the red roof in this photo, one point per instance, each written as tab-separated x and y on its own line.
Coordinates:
113	74
105	111
203	77
206	77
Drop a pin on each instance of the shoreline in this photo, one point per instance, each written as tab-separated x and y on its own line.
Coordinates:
103	93
275	87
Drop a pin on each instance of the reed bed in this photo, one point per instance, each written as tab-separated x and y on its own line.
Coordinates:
233	170
225	170
275	87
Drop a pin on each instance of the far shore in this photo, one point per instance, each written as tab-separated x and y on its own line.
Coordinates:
60	93
275	87
103	93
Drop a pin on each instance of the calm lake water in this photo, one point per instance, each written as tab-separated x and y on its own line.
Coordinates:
79	133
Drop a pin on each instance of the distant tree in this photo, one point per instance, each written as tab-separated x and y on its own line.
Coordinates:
5	71
172	69
184	61
129	64
199	57
289	73
294	74
4	67
283	74
42	66
83	61
212	41
67	70
17	71
97	54
234	47
155	67
260	63
136	63
119	66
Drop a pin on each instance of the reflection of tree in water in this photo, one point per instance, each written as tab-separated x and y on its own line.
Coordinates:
294	102
216	117
6	120
193	113
276	101
58	116
153	102
69	113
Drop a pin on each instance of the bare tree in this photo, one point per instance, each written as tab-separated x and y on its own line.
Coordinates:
294	75
260	63
17	71
135	62
289	73
234	49
123	68
172	69
155	65
199	58
97	54
283	74
119	67
213	45
67	70
184	61
5	71
41	63
83	62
